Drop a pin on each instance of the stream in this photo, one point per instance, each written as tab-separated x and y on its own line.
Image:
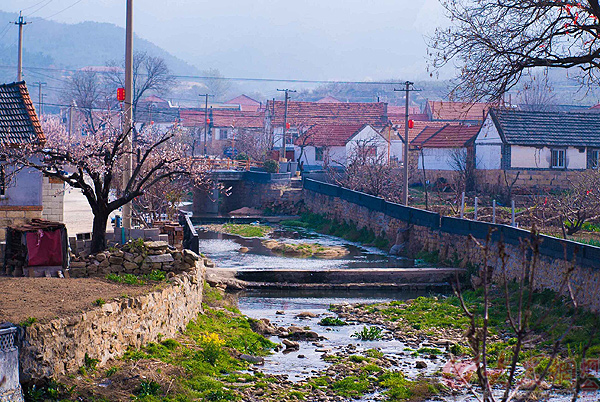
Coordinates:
281	307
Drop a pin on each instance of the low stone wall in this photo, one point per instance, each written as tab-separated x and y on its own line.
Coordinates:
59	347
493	180
17	215
154	255
451	238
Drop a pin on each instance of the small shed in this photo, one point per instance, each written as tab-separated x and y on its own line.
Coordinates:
39	248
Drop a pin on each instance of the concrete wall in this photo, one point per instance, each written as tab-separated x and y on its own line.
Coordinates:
58	347
23	189
440	158
540	157
331	155
10	387
53	194
451	238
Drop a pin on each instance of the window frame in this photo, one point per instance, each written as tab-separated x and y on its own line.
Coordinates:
319	154
558	152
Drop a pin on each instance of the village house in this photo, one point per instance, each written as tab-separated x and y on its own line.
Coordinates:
303	115
245	103
24	193
543	148
338	144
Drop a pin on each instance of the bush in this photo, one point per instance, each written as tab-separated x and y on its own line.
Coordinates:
332	322
271	166
211	347
368	334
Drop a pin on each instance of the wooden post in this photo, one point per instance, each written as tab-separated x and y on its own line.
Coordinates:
462	205
494	211
513	222
475	213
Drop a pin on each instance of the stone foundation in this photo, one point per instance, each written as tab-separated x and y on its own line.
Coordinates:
59	347
493	180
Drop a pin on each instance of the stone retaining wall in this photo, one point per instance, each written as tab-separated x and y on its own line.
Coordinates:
59	347
452	239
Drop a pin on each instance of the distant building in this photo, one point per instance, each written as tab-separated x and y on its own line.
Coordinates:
337	144
246	103
462	112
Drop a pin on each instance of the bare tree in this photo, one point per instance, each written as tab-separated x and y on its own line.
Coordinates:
215	83
87	88
537	94
463	164
150	75
495	42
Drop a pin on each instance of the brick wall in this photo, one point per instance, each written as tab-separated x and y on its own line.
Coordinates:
17	215
53	193
452	238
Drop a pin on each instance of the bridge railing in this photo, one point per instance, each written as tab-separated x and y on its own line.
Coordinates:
227	164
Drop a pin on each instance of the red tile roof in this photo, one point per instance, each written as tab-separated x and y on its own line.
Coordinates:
224	118
416	130
458	111
452	136
19	123
246	103
394	110
328	135
311	113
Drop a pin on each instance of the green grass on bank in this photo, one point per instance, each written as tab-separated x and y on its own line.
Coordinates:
347	231
247	230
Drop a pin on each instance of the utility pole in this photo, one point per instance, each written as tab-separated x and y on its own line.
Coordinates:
40	97
128	123
205	121
73	105
287	97
407	89
20	22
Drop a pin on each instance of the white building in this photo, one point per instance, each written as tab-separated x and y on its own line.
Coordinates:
337	144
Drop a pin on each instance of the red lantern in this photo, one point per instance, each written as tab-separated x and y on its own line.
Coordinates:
120	94
411	124
207	121
287	126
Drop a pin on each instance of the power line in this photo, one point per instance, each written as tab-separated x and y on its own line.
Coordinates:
39	8
64	9
35	5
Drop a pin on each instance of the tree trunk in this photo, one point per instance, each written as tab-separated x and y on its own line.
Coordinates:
99	233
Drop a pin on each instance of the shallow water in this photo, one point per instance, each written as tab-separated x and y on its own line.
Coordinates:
224	249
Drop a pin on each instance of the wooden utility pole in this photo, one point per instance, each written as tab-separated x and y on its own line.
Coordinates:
205	122
407	89
20	22
287	97
128	104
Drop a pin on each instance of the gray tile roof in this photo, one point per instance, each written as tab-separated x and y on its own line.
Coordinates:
18	122
547	128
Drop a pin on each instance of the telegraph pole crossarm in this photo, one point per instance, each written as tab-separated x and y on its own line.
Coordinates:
284	136
407	89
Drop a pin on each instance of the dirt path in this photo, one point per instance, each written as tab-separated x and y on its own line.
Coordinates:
48	298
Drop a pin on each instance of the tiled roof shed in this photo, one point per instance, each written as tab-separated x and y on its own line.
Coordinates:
547	128
19	123
328	135
452	136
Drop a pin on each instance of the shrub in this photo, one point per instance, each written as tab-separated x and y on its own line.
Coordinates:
271	166
332	322
29	321
99	302
211	347
148	388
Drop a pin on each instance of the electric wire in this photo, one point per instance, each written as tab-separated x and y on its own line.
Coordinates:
64	9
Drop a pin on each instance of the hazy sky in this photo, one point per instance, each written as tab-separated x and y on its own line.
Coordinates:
306	39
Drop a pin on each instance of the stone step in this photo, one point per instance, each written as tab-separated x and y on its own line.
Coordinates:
356	276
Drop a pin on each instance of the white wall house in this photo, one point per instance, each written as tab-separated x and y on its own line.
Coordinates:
336	145
511	139
449	147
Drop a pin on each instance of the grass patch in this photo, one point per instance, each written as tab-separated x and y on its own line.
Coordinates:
332	322
128	279
368	334
347	231
99	302
401	389
29	321
352	386
247	230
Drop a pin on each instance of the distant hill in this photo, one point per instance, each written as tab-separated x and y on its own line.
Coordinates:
58	45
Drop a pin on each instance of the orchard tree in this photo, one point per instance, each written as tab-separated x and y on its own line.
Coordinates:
495	42
93	163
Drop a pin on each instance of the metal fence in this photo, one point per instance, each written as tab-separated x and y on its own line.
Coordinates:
8	339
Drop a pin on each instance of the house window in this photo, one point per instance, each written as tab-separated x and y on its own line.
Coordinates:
369	151
594	158
222	133
558	159
319	152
